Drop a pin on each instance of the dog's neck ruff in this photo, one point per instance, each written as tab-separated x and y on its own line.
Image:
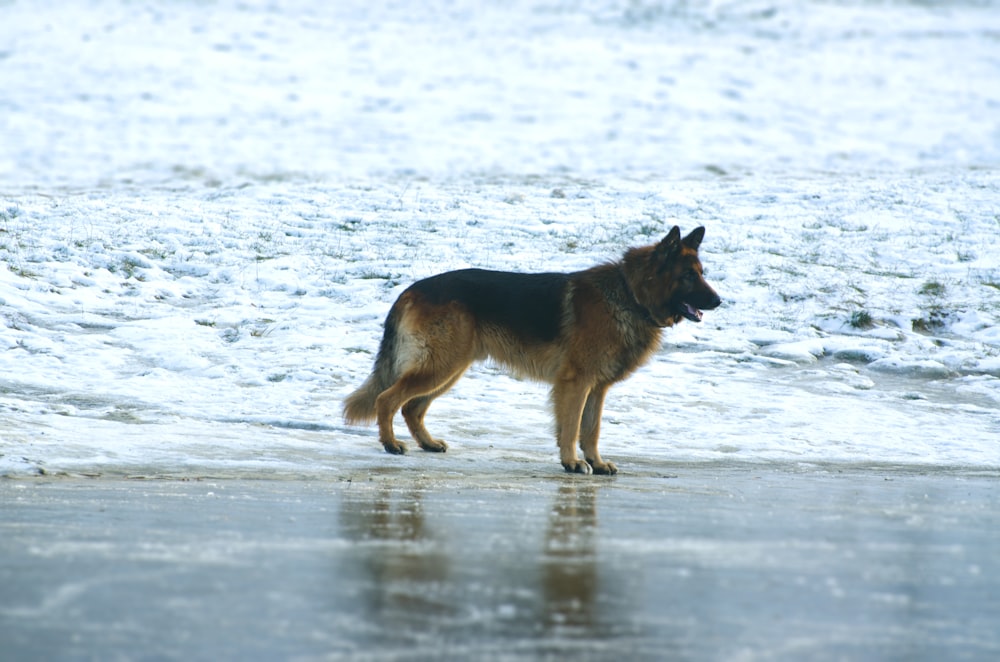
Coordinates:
643	310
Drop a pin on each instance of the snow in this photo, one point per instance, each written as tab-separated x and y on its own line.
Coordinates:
207	210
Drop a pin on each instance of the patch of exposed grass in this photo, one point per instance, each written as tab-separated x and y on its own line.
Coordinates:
861	319
935	319
933	288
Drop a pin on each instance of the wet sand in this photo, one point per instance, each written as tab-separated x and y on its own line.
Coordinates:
681	562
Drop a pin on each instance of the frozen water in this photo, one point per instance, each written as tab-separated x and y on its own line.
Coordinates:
703	565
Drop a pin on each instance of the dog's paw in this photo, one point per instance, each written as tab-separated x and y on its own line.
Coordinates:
434	446
394	447
577	467
603	468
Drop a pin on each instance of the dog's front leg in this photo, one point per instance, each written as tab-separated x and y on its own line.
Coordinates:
590	430
568	397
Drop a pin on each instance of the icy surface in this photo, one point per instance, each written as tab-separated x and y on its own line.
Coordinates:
207	210
706	564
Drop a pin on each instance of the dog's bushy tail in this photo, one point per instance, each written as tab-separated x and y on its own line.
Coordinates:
359	406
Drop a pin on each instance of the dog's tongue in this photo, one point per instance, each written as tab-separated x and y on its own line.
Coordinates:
691	312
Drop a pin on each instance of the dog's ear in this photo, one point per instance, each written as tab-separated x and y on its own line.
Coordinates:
693	240
670	246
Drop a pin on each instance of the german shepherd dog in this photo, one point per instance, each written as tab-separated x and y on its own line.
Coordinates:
580	332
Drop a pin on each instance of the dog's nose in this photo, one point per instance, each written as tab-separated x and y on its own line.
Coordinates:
716	302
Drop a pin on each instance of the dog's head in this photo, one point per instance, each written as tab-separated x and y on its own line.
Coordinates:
667	279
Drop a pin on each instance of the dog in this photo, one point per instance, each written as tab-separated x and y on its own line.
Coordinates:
580	332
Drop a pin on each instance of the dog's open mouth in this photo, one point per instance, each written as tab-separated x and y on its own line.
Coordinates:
689	311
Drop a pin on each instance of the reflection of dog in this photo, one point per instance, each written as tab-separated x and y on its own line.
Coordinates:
581	332
569	576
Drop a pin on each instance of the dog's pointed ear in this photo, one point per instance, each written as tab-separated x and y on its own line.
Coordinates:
670	246
693	240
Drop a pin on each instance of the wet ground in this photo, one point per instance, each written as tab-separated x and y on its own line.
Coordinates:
668	562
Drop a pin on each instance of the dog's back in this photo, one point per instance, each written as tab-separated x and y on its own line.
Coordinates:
528	306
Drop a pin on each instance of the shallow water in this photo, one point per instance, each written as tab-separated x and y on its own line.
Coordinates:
702	563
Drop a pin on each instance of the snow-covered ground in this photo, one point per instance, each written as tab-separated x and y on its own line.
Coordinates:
206	210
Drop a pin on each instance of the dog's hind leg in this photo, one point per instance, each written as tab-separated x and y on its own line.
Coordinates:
590	430
414	411
568	397
411	386
435	346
